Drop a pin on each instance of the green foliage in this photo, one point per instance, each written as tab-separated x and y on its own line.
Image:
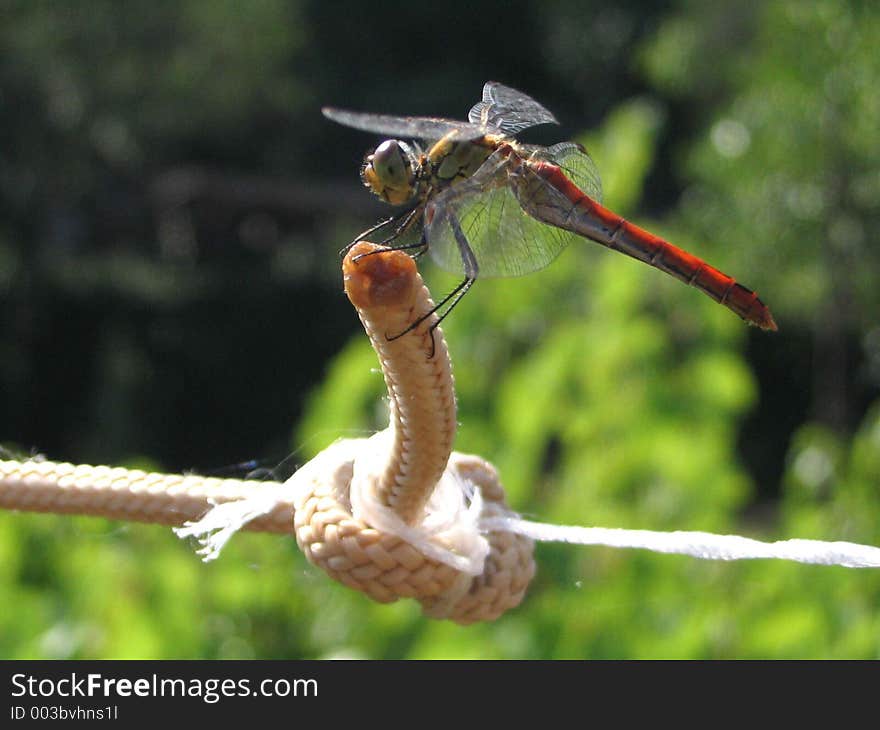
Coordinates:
788	165
349	402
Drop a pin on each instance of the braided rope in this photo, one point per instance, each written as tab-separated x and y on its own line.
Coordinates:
131	494
388	294
318	503
386	567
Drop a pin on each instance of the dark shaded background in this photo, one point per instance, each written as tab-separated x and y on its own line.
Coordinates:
173	200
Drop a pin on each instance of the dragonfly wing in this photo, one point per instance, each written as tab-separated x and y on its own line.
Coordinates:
504	239
508	110
575	162
427	128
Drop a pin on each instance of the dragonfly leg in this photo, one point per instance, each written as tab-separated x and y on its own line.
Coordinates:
364	234
408	219
448	303
401	222
451	299
422	247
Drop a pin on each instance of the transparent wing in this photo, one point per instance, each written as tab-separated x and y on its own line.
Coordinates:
505	240
508	110
426	128
575	162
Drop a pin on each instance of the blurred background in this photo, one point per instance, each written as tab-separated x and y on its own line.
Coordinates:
171	207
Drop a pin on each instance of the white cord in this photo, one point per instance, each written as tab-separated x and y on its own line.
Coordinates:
696	544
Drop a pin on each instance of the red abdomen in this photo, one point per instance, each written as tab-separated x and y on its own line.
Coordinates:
588	218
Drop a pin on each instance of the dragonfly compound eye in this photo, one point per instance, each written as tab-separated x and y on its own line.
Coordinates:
388	172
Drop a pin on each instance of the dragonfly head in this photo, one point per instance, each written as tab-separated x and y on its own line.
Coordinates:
389	172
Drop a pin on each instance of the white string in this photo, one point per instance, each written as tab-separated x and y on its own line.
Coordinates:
223	520
704	545
453	532
449	530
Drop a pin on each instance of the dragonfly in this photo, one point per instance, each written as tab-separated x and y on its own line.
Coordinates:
486	205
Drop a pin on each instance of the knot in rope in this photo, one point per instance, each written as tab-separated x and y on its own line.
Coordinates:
448	563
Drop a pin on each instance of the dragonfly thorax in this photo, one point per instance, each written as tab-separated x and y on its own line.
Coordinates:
389	172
